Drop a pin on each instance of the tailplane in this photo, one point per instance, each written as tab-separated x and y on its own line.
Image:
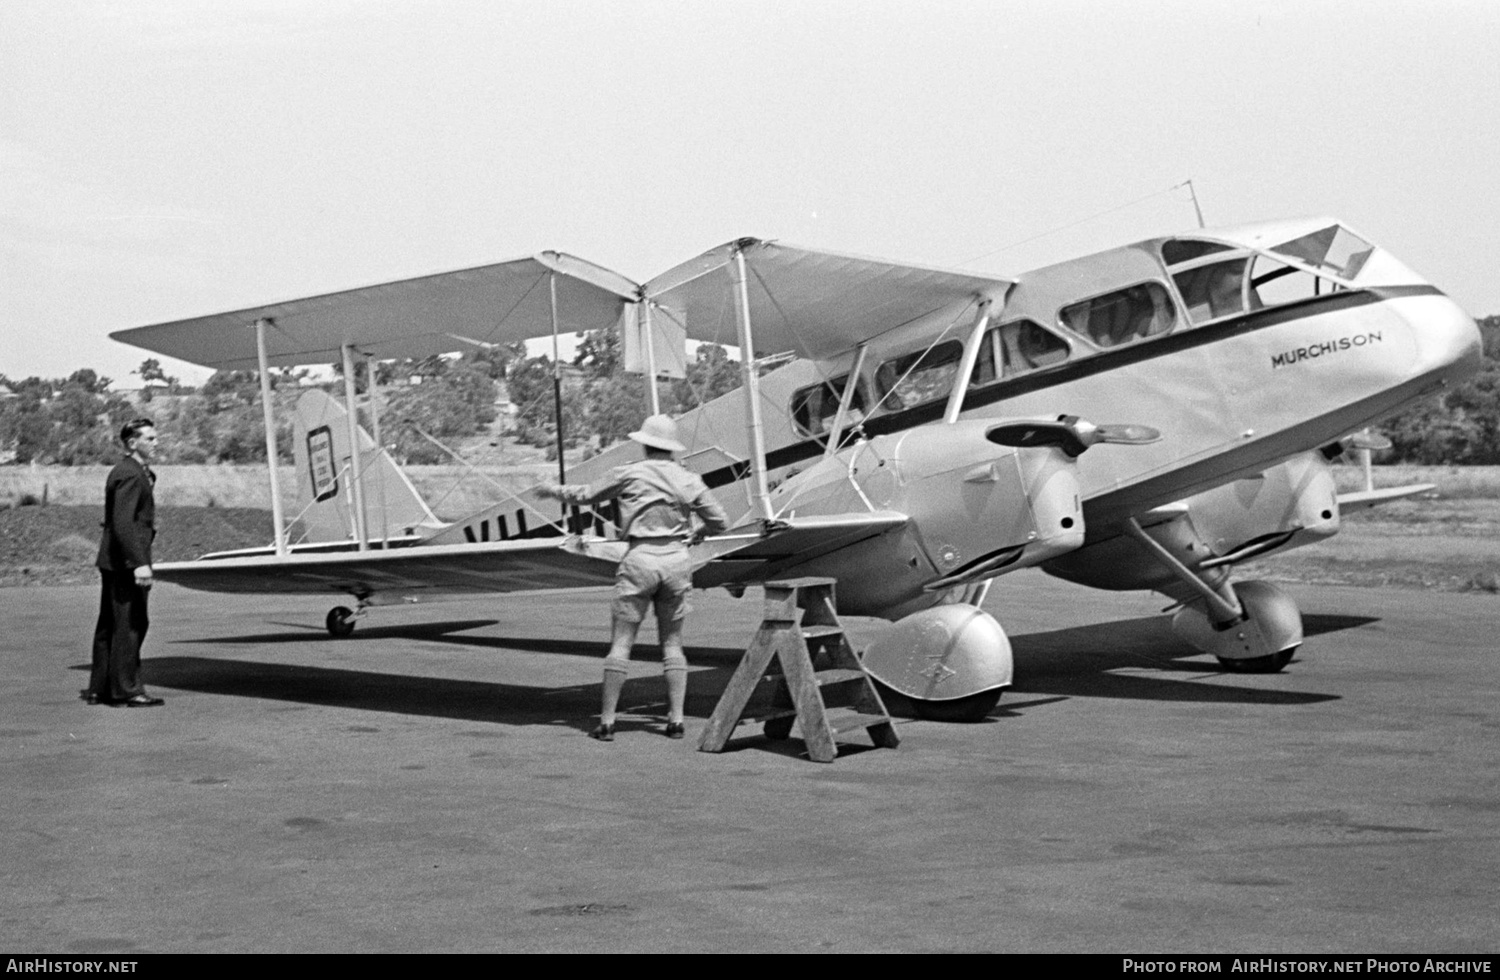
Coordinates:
325	504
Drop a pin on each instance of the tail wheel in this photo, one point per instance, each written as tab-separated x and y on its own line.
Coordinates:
340	621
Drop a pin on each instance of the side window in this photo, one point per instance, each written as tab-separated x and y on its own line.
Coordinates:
1124	316
923	376
1212	291
1334	248
1187	249
1028	346
1273	283
814	407
1017	347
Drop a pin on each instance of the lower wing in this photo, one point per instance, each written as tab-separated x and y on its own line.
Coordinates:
409	574
381	577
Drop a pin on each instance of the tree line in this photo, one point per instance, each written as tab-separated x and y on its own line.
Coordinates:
74	420
425	405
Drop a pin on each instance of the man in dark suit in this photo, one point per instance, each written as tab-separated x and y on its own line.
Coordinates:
125	564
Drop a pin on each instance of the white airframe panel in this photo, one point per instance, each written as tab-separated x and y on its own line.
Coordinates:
437	314
817	304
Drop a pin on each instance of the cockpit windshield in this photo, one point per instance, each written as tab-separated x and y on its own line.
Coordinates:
1335	249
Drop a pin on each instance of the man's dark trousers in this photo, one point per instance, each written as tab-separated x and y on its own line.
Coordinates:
117	638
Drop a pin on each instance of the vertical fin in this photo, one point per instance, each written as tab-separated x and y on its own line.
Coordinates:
321	448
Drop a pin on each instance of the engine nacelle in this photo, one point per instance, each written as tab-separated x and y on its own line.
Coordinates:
1292	504
978	506
946	653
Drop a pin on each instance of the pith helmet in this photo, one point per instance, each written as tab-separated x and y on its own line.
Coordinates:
659	432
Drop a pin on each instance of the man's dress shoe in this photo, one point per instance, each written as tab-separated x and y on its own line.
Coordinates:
142	701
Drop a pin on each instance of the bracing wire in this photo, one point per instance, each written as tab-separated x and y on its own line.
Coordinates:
1074	224
509	493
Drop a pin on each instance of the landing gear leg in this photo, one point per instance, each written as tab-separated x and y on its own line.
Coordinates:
1250	627
1262	643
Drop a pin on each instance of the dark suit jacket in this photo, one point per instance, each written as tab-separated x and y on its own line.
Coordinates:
129	517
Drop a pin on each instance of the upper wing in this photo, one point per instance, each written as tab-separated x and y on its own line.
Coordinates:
491	304
409	573
818	304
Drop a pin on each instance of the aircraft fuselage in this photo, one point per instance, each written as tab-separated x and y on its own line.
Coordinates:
1245	348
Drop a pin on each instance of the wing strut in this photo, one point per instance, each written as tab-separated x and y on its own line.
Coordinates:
562	466
966	366
653	400
851	385
370	392
751	383
269	414
356	476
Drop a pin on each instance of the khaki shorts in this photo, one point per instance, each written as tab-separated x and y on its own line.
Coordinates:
653	575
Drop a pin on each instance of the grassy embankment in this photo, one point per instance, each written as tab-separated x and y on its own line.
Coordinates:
451	491
1449	540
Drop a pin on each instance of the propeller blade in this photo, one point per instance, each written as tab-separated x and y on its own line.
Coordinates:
1069	433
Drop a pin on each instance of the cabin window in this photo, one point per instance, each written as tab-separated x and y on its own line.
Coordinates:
1185	250
1275	283
1017	347
814	407
1212	291
1124	316
923	376
1334	248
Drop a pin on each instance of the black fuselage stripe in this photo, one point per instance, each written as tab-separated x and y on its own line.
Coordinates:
1097	363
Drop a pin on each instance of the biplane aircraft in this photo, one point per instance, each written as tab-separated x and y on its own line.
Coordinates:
1144	418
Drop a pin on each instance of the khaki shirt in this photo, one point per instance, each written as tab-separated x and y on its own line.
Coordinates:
658	499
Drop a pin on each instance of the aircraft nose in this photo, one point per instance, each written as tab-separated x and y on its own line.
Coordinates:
1449	345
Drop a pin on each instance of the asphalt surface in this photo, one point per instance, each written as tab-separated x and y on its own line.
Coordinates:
427	785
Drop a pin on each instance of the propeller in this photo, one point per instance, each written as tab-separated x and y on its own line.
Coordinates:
1069	433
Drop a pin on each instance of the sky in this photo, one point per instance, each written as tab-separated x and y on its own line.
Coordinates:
161	159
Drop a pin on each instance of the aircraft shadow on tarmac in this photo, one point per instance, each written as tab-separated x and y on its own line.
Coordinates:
434	697
307	632
1086	661
1097	660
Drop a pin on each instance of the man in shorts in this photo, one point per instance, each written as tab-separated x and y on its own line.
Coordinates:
658	500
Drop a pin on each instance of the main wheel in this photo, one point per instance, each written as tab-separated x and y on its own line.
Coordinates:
1258	665
972	708
1264	642
340	621
975	707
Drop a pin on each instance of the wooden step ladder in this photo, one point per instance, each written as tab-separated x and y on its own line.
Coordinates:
820	680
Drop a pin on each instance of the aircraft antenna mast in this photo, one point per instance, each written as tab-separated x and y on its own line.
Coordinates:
750	381
269	414
1194	195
